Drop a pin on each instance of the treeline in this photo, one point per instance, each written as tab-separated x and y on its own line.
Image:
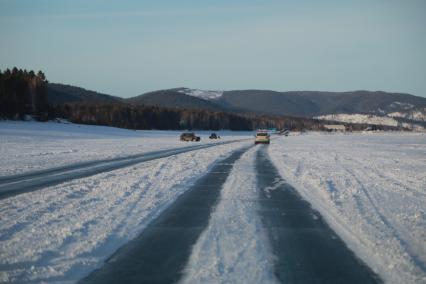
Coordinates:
23	93
285	122
149	117
152	117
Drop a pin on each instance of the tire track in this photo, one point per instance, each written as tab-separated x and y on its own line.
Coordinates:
160	252
18	184
307	250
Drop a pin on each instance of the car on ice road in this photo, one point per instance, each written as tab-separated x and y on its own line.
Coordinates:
189	136
262	137
214	136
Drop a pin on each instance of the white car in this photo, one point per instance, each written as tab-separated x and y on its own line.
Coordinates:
262	137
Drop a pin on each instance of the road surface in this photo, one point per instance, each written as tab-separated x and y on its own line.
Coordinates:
306	249
161	251
17	184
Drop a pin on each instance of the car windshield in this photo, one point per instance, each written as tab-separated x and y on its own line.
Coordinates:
262	134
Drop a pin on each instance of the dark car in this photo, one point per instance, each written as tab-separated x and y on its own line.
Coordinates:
214	136
189	136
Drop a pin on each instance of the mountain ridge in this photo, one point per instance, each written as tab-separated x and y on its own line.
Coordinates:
58	93
306	104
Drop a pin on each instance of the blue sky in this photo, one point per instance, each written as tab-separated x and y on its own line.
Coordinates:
125	48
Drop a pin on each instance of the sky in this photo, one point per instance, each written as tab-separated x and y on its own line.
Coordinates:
128	47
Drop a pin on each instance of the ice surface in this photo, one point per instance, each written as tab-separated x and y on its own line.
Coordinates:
234	247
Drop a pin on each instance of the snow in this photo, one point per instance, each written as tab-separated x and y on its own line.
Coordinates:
360	118
405	106
371	189
29	146
234	247
61	233
202	94
388	119
418	115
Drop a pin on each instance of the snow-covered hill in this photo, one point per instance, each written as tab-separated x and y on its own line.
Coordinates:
202	94
414	114
391	119
360	118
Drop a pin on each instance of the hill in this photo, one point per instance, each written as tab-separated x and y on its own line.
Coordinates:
25	93
360	107
312	103
295	103
173	98
60	94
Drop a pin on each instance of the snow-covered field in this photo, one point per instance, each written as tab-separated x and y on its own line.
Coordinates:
29	146
371	189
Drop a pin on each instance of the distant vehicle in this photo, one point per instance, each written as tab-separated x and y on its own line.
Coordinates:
262	137
189	136
284	132
214	136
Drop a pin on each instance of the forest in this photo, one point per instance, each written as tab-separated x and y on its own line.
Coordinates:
23	93
152	117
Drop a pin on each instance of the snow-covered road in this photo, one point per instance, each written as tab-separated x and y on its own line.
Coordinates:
306	249
64	231
60	233
21	183
32	146
261	231
160	252
234	248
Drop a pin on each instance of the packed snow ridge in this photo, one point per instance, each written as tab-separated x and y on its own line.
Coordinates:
202	94
234	248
